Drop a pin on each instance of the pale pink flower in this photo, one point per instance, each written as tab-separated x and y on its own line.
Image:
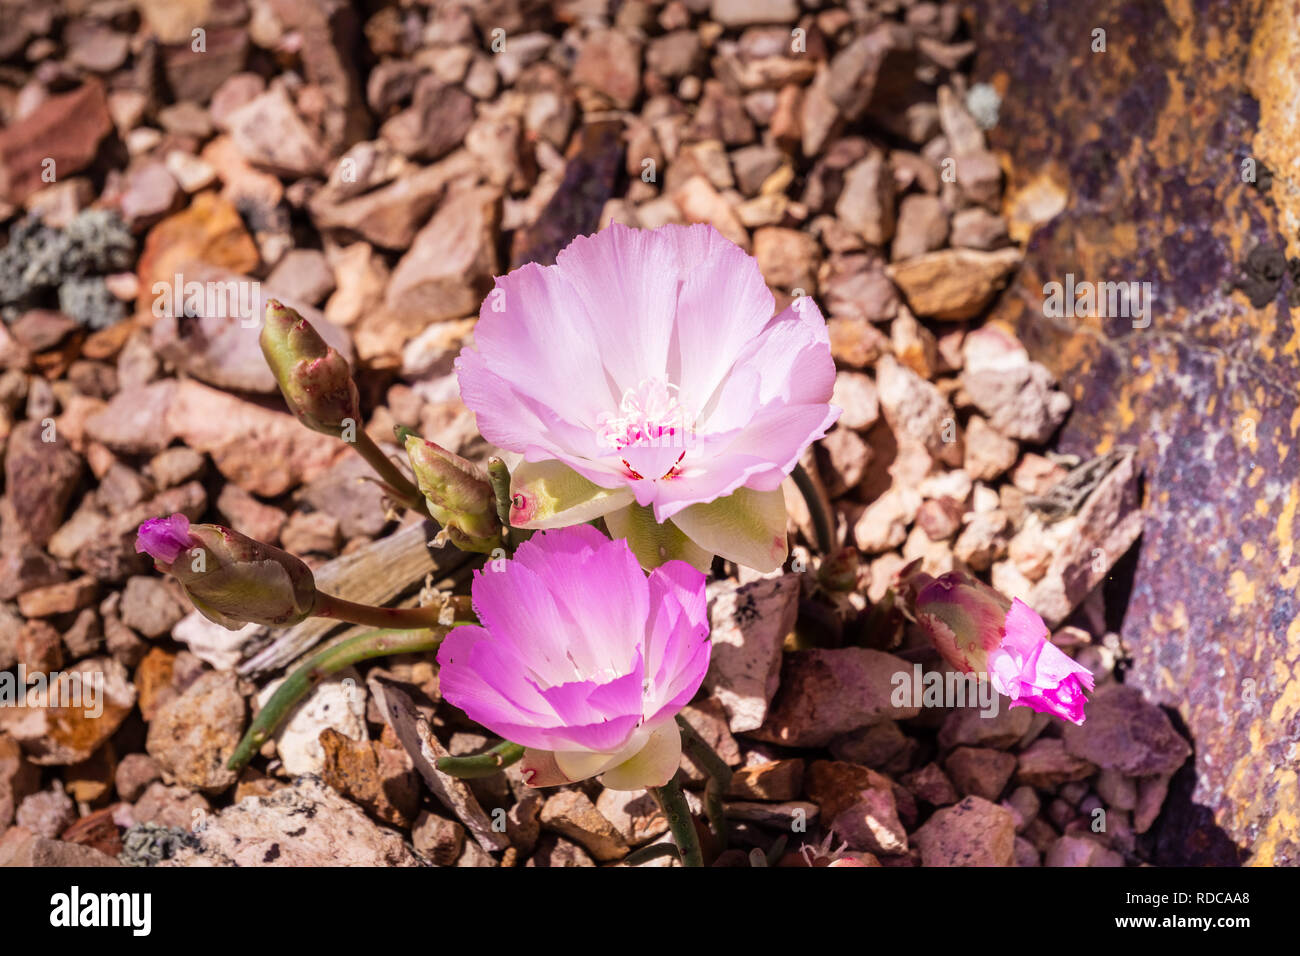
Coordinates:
644	378
581	658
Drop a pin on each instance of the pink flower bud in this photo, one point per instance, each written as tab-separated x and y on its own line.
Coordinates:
314	378
163	539
231	579
977	630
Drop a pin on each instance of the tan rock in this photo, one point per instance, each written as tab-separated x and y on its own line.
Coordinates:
776	780
988	453
75	719
571	814
307	824
866	203
450	265
787	258
974	832
698	201
953	284
856	394
194	735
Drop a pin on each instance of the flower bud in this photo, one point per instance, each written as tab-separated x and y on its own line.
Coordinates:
164	539
978	630
231	579
460	497
314	378
962	616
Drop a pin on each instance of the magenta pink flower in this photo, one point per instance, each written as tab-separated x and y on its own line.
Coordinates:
164	539
1034	672
977	630
581	658
644	378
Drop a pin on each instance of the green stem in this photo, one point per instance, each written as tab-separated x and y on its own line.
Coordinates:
652	852
718	772
398	485
482	765
823	526
499	478
673	802
321	665
390	618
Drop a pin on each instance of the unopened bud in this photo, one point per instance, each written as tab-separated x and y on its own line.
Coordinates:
314	378
963	617
231	579
460	496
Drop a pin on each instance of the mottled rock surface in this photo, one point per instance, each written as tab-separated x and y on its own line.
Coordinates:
1205	384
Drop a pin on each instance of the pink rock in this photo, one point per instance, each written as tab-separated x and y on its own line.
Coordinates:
1016	394
220	344
434	124
264	452
975	832
866	203
151	193
922	226
749	625
270	134
609	67
1128	733
980	771
824	693
66	130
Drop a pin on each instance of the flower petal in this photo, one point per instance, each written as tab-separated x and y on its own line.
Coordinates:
522	319
747	527
627	281
723	305
540	769
599	588
654	543
652	766
549	494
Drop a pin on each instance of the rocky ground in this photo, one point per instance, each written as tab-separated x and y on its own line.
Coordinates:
375	165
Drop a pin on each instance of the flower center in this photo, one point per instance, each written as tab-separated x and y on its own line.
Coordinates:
650	432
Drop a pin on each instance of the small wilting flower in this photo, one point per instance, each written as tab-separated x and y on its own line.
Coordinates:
645	380
314	378
826	853
460	497
231	579
978	630
582	659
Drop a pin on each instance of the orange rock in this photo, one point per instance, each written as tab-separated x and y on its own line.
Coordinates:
953	283
209	231
153	680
